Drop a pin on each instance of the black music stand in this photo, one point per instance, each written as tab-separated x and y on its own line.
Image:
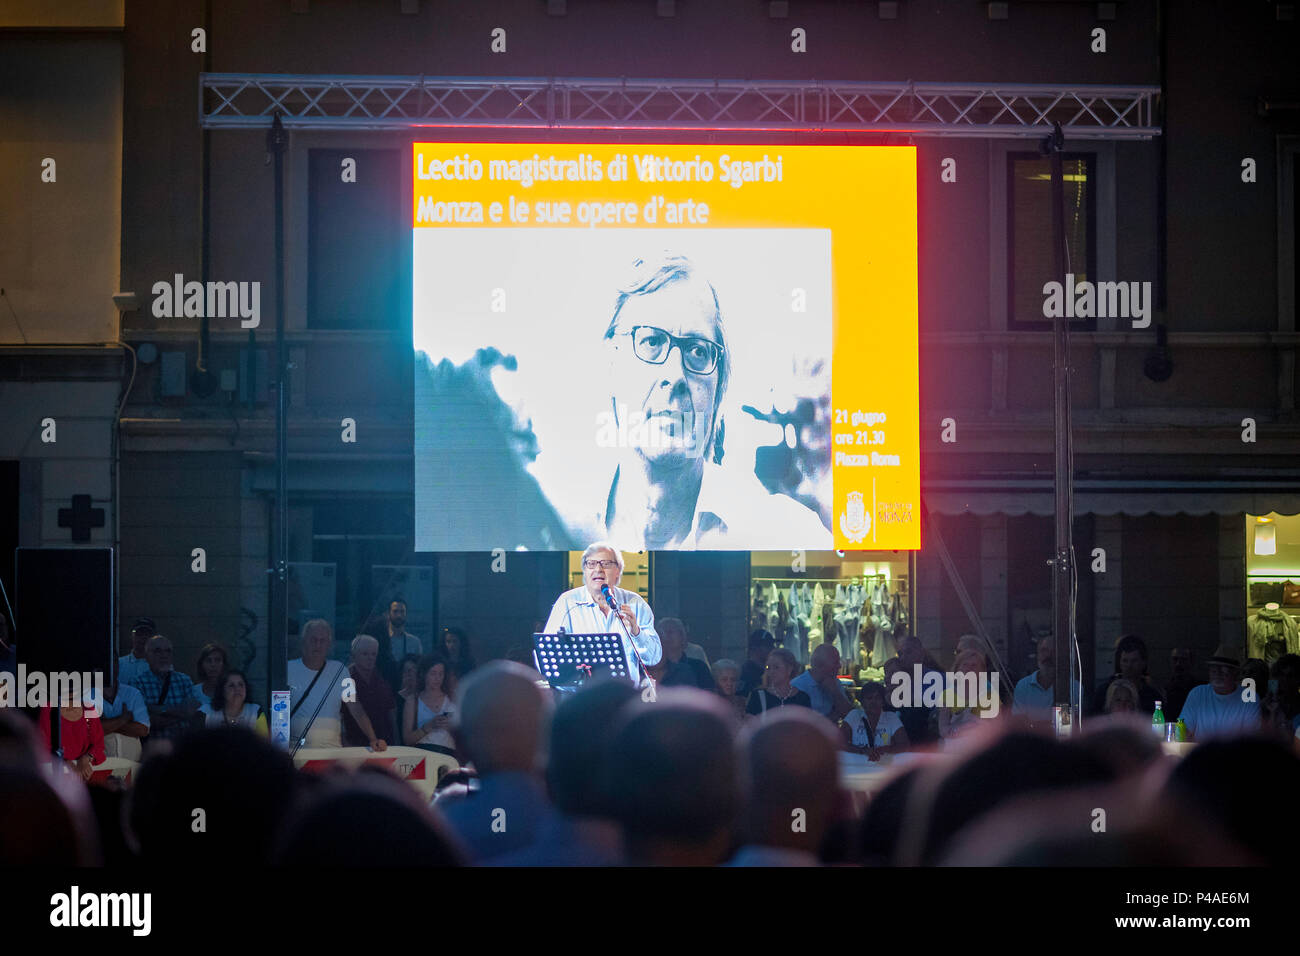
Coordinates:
567	661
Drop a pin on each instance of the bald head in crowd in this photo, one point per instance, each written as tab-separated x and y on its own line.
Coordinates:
825	660
789	762
502	719
672	773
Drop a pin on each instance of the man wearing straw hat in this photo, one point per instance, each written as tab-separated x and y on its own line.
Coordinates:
1223	707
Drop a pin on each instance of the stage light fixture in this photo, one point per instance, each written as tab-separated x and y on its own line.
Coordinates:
1265	536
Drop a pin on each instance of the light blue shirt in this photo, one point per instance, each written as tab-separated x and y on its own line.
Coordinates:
821	701
1033	699
128	698
129	667
1208	714
577	613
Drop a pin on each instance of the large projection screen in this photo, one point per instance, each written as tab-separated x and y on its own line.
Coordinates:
669	347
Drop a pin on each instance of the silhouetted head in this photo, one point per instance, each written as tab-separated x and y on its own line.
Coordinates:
789	771
44	822
1226	779
243	785
672	772
366	819
581	732
1014	764
502	719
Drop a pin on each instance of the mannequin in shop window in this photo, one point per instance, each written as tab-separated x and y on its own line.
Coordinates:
1270	633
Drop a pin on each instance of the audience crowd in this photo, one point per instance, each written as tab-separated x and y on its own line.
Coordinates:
742	764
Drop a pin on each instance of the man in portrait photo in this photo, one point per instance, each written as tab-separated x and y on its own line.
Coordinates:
669	366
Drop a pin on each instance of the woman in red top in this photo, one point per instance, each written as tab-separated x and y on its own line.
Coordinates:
81	737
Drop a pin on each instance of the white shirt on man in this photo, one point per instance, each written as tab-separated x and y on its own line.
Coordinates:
327	729
577	613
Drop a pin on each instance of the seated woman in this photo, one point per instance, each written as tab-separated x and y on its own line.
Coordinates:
726	677
81	737
1121	697
428	715
869	729
971	658
212	663
231	707
776	692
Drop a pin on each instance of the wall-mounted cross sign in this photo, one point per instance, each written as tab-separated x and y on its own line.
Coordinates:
81	517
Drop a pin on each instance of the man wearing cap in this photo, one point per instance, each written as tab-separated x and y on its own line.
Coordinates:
1217	709
132	666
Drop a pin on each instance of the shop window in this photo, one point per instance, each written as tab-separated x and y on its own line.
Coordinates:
860	602
1272	586
1031	259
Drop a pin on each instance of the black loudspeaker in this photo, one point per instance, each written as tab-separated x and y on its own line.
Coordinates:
63	600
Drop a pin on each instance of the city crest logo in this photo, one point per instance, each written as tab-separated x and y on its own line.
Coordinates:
854	521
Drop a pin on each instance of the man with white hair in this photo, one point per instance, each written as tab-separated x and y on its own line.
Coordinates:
316	692
670	365
374	699
585	610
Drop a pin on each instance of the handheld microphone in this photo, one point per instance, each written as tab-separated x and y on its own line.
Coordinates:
609	596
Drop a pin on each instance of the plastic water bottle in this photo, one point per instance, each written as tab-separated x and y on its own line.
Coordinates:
1158	722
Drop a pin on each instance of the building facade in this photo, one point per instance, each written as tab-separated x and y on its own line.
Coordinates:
1184	402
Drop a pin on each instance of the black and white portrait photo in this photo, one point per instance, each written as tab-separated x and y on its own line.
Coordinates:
663	389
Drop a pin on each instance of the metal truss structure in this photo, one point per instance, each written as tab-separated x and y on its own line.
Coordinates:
978	110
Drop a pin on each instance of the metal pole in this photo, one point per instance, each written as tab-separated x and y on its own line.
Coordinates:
1063	558
278	623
